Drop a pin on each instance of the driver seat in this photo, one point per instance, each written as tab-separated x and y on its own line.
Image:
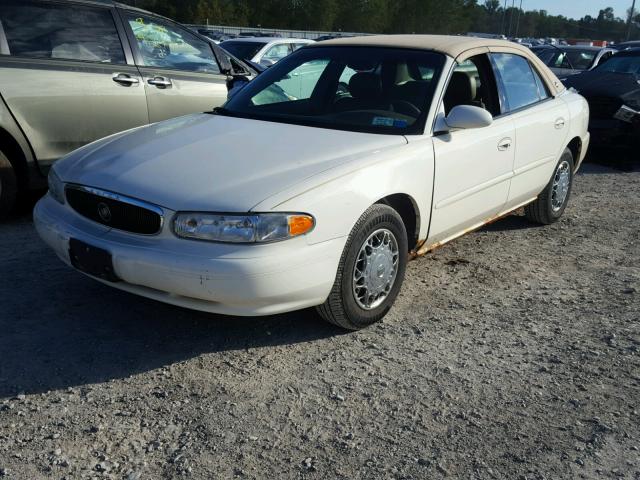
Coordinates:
366	93
461	91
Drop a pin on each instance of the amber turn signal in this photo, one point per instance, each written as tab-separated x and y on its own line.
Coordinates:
300	224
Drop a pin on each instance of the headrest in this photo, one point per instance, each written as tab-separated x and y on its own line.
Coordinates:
462	87
365	85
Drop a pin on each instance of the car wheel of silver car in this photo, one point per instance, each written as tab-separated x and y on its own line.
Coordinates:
8	186
371	270
550	204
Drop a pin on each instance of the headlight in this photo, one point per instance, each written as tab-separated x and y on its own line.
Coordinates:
256	228
56	187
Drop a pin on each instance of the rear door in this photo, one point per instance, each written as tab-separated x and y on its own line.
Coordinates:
65	76
181	74
540	120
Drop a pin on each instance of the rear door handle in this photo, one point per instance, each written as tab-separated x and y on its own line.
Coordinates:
504	144
160	82
559	123
125	79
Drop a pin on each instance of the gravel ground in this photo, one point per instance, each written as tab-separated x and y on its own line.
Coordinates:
512	353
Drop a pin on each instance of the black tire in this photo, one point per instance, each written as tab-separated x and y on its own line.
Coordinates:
341	307
8	186
545	209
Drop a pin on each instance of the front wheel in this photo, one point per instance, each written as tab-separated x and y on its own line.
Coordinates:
550	204
371	270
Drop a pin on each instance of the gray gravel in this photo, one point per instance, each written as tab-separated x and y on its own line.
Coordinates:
511	353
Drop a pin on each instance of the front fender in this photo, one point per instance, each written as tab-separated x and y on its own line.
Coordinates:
338	197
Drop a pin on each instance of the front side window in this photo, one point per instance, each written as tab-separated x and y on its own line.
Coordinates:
164	45
517	79
473	83
377	90
65	32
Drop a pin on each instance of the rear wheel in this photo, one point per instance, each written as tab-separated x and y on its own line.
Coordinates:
550	204
8	186
371	270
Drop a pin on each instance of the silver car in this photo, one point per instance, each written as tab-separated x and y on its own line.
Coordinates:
74	71
263	50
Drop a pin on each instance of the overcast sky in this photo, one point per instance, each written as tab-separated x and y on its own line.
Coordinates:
576	8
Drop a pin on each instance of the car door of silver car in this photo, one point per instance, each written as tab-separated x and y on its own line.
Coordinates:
181	74
65	75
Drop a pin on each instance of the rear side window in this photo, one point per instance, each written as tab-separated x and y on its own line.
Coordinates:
62	32
517	79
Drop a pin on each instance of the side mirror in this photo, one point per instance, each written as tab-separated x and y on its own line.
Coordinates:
465	117
265	62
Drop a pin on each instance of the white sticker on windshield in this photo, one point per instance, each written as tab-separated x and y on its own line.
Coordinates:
382	121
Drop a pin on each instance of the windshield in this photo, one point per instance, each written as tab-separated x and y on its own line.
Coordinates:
378	90
621	64
574	58
243	50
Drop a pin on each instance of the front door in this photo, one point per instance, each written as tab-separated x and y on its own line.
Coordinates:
473	167
181	74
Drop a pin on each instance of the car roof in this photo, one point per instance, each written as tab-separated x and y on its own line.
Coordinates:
448	44
270	39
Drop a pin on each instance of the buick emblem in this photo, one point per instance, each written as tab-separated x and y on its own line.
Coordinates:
104	212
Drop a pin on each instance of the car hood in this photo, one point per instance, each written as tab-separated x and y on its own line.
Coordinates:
215	163
625	87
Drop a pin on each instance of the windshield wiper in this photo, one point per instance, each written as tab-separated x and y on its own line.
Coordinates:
221	111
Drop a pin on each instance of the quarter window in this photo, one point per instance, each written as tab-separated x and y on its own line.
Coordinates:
518	80
167	46
40	30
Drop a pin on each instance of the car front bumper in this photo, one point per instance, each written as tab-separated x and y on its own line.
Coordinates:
229	279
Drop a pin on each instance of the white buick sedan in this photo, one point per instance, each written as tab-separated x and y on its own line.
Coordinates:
315	189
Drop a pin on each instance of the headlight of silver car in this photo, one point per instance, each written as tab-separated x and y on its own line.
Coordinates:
233	228
56	187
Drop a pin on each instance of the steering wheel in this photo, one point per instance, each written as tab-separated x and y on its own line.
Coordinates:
406	108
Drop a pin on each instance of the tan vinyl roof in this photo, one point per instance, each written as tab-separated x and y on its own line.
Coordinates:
449	44
457	47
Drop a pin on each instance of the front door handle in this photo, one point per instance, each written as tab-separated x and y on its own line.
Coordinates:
559	123
160	82
504	144
125	79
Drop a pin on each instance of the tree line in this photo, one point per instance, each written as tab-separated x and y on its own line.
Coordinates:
396	16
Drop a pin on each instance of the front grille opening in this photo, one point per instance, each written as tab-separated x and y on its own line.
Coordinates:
113	213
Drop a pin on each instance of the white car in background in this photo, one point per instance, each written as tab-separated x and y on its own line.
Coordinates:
264	51
282	201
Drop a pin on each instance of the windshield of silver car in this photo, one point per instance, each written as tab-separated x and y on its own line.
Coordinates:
377	90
